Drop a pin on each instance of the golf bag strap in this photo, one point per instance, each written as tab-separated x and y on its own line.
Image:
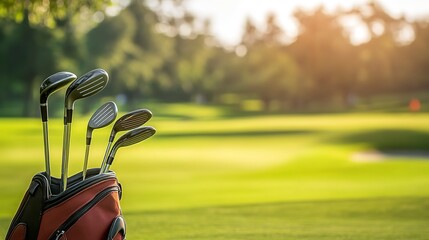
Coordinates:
19	232
117	229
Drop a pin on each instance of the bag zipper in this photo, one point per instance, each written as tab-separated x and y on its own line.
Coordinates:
79	213
54	200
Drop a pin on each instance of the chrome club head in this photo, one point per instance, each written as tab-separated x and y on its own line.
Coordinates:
128	121
132	120
132	137
103	116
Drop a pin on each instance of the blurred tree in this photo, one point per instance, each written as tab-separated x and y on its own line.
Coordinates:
325	56
390	62
270	72
28	49
273	34
28	54
200	69
155	50
378	56
11	86
133	52
159	49
251	34
415	59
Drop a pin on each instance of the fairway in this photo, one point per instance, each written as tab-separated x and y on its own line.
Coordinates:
209	176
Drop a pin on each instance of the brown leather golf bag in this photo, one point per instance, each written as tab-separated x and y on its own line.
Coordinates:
87	209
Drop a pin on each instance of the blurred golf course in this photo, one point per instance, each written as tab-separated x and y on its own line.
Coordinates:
207	175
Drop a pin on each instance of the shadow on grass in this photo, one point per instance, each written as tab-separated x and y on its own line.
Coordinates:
228	133
389	139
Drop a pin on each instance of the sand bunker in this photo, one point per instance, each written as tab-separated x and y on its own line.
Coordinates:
378	156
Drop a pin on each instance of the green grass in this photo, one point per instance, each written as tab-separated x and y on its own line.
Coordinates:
207	176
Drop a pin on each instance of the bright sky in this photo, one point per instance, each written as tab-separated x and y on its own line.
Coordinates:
228	16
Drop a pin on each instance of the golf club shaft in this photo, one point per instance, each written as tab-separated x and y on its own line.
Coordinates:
104	169
65	157
46	145
107	165
103	164
85	163
107	168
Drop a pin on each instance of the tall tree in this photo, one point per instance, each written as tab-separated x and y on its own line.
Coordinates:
251	34
133	53
415	59
270	71
36	24
380	57
325	56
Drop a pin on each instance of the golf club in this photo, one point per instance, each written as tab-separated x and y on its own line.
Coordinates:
87	85
127	122
102	117
129	138
50	85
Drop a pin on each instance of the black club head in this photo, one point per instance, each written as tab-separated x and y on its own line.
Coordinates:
87	85
54	83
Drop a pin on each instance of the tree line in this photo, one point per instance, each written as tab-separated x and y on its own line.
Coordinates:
151	54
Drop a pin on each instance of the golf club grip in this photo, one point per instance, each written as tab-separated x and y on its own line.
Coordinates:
110	160
68	116
108	164
88	135
44	112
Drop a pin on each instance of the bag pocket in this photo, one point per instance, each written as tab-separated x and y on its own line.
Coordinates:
19	232
92	220
83	196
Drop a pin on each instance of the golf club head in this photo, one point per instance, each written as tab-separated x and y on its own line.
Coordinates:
132	137
54	83
102	117
87	85
128	121
131	120
50	85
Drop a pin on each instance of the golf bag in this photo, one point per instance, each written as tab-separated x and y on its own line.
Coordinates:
87	209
